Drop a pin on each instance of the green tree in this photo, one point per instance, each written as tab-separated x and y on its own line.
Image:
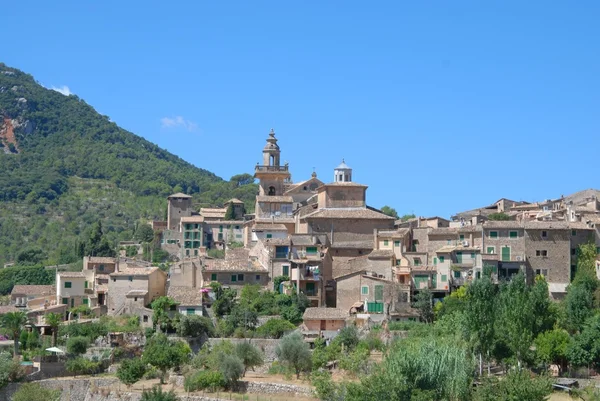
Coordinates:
131	371
348	337
232	368
274	328
157	394
53	320
160	317
35	392
33	339
551	347
480	317
82	366
229	213
249	355
77	345
579	302
584	350
423	303
389	211
10	369
407	217
144	233
164	354
14	323
501	216
23	340
31	256
295	352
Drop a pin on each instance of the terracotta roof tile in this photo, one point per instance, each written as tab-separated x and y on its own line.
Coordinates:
135	271
325	314
40	290
347	213
185	296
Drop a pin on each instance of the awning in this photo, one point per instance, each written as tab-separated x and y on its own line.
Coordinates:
55	349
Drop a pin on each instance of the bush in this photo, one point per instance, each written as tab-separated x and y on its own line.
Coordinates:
131	371
205	380
82	366
89	330
35	392
77	345
274	328
357	361
157	394
404	325
10	369
348	337
195	326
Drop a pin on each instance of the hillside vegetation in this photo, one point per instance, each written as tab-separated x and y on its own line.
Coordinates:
65	166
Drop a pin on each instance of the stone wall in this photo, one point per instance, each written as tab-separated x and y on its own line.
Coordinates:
267	346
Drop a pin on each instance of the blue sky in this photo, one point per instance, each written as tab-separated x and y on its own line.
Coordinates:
439	106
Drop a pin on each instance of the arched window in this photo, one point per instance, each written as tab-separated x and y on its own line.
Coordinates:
271	191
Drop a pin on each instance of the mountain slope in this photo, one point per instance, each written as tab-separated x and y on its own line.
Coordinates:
51	144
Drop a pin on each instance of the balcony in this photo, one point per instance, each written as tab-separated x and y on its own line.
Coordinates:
88	291
271	169
305	275
402	270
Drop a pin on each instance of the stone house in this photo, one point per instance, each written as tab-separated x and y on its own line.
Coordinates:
192	236
101	265
373	292
310	265
179	205
324	320
73	288
235	270
134	287
25	295
188	299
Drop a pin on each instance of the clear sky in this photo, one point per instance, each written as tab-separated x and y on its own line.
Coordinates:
438	106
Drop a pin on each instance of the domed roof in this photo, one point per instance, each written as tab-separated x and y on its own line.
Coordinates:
271	142
342	166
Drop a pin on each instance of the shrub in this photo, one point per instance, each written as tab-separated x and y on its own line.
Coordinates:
274	328
205	380
131	371
10	369
348	337
195	326
82	366
157	394
35	392
77	345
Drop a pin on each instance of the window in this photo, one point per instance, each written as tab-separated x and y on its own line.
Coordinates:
213	277
513	234
173	307
101	268
234	278
68	284
491	250
477	274
187	252
364	290
286	270
472	255
130	278
269	235
461	237
85	284
457	274
442	259
573	233
65	301
311	249
134	299
114	280
444	278
257	277
435	261
220	229
541	253
195	252
386	242
145	319
448	241
573	251
240	277
281	252
493	234
237	227
190	311
417	261
72	302
544	234
396	243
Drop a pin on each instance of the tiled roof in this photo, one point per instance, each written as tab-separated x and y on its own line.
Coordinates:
34	290
234	201
381	253
135	271
8	308
71	274
347	213
237	254
269	227
213	212
401	232
50	308
101	259
275	241
325	314
232	265
352	244
443	231
192	219
279	199
185	296
136	293
179	195
308	239
555	225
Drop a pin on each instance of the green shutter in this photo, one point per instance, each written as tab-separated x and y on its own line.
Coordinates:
234	278
472	255
85	285
67	284
491	250
462	237
85	301
379	293
506	254
513	234
441	259
459	257
190	311
269	235
65	301
396	243
435	261
457	274
444	278
286	271
213	277
364	290
493	234
386	242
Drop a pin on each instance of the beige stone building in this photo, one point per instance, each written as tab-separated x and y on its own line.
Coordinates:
235	270
324	321
188	299
32	296
133	288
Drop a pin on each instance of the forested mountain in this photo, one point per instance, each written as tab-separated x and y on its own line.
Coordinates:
63	166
